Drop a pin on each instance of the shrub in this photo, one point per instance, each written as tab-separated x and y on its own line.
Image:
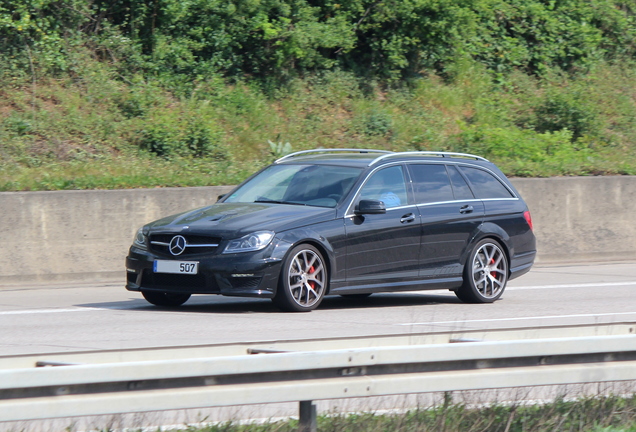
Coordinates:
572	112
188	135
513	143
524	152
17	125
377	123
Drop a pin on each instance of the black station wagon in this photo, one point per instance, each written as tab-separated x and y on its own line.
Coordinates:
343	222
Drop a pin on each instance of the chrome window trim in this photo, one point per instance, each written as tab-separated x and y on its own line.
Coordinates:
457	163
514	197
448	202
445	202
501	199
466	201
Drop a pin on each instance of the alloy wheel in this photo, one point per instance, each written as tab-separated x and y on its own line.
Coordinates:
307	278
490	270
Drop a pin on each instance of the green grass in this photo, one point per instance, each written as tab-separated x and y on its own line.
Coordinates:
104	133
123	173
591	414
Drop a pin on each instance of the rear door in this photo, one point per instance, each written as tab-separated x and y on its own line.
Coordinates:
450	216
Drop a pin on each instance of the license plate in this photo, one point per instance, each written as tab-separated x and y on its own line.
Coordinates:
176	267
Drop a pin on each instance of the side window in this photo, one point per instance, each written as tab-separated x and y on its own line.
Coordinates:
386	185
460	187
485	184
431	183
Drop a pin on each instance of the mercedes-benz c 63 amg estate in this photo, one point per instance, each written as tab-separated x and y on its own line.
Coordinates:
343	222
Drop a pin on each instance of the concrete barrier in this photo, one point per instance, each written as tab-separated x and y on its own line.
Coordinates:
71	236
578	219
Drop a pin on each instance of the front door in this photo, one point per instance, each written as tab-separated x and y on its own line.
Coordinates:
383	249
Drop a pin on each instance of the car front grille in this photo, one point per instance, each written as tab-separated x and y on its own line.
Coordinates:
195	244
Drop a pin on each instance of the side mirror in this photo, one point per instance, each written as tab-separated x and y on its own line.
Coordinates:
370	207
220	197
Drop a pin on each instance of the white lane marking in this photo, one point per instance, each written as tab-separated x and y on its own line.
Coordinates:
43	311
582	285
509	288
520	318
533	287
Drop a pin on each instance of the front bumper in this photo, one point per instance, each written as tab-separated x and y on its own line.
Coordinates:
245	275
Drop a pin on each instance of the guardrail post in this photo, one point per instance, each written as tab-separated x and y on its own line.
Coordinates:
307	417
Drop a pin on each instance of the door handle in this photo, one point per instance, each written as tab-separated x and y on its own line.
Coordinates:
466	209
407	218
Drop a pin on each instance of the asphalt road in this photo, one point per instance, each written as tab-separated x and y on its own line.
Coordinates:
63	318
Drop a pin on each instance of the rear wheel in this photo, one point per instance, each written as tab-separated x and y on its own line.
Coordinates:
485	273
165	299
303	280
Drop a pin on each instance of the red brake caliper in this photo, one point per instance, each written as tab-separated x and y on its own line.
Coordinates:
493	273
312	284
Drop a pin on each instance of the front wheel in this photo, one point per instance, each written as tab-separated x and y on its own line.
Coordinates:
165	299
303	280
485	273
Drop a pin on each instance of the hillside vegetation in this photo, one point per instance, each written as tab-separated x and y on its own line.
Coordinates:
146	93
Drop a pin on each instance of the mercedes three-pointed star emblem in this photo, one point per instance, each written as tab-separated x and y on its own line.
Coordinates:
177	245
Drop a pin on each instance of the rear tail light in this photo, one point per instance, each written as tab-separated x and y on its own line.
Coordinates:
528	218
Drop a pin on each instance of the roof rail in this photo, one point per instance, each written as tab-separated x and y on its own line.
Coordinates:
291	155
427	153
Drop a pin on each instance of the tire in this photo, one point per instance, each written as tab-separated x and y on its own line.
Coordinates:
165	299
485	273
303	280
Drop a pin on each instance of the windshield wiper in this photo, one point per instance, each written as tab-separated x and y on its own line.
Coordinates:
279	202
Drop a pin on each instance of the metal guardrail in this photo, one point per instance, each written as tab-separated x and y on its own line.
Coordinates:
99	389
437	337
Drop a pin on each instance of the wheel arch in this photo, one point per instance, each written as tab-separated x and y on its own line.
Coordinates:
323	251
492	231
284	297
321	243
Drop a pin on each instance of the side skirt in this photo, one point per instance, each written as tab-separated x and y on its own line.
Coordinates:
416	285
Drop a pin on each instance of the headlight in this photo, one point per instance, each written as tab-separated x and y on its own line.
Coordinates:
249	243
140	238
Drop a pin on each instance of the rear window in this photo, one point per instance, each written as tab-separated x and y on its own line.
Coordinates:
430	183
460	187
484	184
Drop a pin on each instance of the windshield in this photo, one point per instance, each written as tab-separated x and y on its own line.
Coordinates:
312	185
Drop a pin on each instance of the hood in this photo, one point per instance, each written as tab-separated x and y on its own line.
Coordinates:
233	220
